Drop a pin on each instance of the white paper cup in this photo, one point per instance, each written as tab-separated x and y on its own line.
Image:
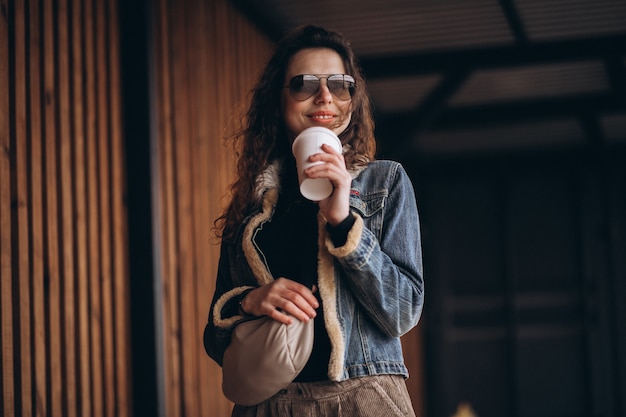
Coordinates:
307	143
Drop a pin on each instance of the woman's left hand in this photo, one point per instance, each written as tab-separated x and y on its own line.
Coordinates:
337	206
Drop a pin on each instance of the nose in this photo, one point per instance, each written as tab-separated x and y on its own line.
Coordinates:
323	95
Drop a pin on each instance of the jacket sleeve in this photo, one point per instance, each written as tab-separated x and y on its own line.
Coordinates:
224	311
385	273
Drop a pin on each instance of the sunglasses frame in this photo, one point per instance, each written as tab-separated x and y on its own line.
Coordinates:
345	78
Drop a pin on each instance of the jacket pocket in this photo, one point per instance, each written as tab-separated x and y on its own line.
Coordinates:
368	204
370	208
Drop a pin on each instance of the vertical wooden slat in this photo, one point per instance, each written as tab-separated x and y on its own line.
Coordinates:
412	343
40	398
184	133
217	158
67	211
118	188
165	146
80	208
80	230
203	186
22	211
51	229
6	288
161	170
103	184
93	216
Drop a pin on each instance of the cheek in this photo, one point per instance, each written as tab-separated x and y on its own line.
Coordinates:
346	116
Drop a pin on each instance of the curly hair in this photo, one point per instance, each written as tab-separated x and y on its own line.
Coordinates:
263	135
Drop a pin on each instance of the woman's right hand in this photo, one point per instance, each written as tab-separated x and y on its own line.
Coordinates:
279	297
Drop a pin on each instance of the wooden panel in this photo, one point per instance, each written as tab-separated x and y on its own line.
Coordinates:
207	59
80	216
121	405
22	207
40	400
64	300
6	280
93	241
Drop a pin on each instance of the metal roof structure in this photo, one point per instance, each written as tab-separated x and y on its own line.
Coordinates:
452	76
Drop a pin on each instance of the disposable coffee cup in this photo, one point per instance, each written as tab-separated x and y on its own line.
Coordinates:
307	143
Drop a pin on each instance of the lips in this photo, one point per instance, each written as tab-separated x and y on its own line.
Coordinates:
322	116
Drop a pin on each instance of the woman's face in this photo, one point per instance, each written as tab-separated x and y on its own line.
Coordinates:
323	108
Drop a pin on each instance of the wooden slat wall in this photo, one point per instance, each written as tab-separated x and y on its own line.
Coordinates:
207	59
64	300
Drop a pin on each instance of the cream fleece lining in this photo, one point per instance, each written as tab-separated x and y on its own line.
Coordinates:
354	236
328	292
257	265
221	302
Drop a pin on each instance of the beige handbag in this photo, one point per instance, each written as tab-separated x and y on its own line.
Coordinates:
264	356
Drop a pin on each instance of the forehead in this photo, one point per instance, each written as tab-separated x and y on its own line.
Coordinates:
315	61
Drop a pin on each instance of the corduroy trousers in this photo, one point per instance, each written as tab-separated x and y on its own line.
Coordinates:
370	396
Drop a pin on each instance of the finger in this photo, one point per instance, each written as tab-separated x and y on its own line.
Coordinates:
334	159
329	149
302	296
294	286
328	170
293	311
298	305
287	311
296	299
288	296
280	316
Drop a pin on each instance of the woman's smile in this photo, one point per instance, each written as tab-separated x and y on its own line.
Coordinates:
323	117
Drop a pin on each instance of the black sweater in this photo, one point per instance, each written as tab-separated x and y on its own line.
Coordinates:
289	243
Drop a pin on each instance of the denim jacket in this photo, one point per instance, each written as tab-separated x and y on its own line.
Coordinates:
372	287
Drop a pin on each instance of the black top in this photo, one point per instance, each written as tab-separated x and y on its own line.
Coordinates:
289	243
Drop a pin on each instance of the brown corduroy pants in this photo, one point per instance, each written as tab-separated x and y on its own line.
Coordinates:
370	396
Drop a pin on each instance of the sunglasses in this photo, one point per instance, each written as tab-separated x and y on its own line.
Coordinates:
303	86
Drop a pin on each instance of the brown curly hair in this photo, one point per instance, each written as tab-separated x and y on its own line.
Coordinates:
263	135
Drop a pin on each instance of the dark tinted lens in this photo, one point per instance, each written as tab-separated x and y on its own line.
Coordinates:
310	84
342	86
302	87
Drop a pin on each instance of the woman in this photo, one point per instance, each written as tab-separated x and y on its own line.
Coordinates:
352	262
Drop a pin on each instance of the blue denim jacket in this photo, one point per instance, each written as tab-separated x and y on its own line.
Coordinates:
372	287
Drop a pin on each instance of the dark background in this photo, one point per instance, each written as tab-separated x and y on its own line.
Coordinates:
511	118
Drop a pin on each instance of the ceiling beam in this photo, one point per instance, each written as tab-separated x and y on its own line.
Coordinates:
387	66
436	101
529	110
515	22
427	111
506	113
